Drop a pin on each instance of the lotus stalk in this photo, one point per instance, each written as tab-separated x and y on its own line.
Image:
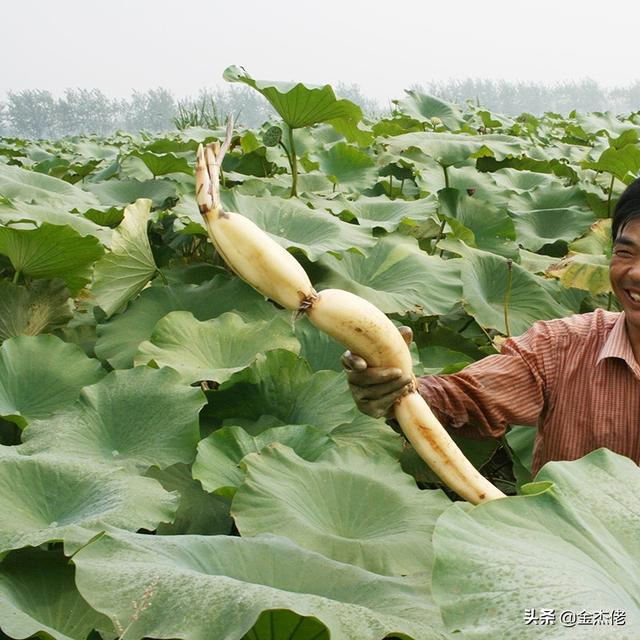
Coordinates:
349	319
507	294
293	159
610	194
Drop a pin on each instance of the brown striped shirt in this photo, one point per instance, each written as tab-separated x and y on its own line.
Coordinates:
575	378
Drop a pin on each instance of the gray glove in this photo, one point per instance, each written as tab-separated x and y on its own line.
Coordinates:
375	389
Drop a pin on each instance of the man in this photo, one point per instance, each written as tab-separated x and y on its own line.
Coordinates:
577	379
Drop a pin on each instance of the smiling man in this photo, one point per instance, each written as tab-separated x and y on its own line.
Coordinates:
576	379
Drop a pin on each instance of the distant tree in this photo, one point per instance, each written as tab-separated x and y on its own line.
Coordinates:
152	110
585	95
86	111
121	114
514	98
633	97
4	125
370	107
246	105
37	114
32	113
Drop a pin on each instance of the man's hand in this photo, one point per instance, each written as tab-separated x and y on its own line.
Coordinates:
375	389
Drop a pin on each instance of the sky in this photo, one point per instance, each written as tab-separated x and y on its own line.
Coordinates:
385	47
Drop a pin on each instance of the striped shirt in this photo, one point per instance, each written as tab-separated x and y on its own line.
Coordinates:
575	378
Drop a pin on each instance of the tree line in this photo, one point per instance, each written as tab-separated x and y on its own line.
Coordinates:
36	113
513	98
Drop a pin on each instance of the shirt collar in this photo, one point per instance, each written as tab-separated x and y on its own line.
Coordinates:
617	345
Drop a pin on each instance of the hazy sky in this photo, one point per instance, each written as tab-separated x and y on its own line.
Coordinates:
385	47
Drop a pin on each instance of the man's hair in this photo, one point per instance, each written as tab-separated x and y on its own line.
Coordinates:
628	207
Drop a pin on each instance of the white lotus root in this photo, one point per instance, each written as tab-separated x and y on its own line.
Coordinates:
357	324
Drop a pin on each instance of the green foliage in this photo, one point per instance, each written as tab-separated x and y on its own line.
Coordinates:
486	581
199	448
375	517
225	582
203	113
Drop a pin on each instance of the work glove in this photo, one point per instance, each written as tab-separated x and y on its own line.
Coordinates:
375	389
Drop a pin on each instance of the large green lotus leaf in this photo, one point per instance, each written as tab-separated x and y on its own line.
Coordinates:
42	306
54	214
583	271
396	125
280	623
118	339
521	441
519	181
81	329
599	123
596	241
373	516
319	349
586	266
255	427
310	140
70	171
396	277
556	155
177	142
255	162
280	384
162	164
535	262
623	163
441	347
122	274
551	196
484	286
40	374
293	224
133	168
536	160
29	186
134	419
38	595
124	192
101	150
312	182
195	273
300	105
105	217
535	229
572	545
213	349
190	134
380	211
422	106
219	454
371	436
348	166
490	226
456	148
466	179
225	582
198	512
51	251
45	498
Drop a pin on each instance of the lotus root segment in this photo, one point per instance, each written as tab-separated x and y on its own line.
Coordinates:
259	260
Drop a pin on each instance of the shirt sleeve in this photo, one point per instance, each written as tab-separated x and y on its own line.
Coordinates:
507	388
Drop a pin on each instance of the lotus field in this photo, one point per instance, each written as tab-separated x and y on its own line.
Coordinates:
182	458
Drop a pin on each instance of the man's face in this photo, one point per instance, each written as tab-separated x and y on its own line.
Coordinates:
624	272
